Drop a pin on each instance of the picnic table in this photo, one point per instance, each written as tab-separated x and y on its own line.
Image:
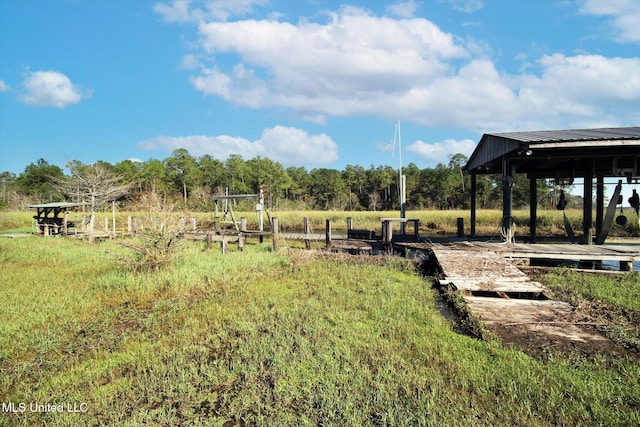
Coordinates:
48	220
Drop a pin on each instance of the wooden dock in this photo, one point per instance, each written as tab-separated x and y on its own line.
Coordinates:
476	270
558	251
623	253
503	296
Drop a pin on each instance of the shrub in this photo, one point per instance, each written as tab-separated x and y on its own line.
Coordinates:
156	244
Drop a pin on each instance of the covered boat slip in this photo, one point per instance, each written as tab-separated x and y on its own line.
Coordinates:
563	155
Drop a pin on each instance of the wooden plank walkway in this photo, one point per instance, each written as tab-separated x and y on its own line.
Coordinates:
501	295
557	251
554	319
473	270
624	253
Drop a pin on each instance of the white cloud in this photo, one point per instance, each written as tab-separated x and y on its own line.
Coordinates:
3	86
581	89
218	10
287	145
403	9
624	17
357	64
293	146
352	64
50	89
177	11
466	6
439	152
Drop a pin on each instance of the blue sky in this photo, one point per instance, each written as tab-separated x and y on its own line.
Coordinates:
314	83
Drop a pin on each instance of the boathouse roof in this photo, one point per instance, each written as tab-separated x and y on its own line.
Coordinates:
549	153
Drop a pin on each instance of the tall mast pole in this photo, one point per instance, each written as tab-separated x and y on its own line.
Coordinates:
402	180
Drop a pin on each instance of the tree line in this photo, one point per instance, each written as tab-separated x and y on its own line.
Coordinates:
191	182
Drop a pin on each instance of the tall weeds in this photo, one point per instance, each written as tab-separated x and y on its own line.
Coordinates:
156	244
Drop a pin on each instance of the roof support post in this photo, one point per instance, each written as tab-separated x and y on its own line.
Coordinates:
508	173
587	222
599	204
474	179
533	209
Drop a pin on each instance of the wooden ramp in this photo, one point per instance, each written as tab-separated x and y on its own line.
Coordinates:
505	298
473	270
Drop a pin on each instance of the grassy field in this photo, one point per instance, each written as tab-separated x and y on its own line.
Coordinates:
262	338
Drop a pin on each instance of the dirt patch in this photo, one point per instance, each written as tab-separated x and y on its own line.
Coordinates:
543	328
575	335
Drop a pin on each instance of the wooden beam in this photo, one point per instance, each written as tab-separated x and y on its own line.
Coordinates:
533	209
599	205
474	179
507	199
588	204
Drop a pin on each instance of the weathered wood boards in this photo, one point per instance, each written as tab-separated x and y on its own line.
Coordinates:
622	253
548	317
481	270
477	271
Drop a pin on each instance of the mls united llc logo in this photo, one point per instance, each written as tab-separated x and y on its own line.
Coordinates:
22	407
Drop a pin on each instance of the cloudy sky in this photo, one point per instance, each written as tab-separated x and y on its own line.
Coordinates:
314	83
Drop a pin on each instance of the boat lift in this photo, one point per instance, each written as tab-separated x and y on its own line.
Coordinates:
228	207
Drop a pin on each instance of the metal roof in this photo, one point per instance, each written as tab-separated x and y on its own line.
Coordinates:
545	150
601	134
56	205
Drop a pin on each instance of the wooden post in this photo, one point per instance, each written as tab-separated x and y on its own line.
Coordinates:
388	232
224	245
307	231
508	173
209	239
113	217
129	224
599	205
588	203
349	225
533	209
243	230
274	235
134	225
192	221
460	226
46	229
328	234
384	230
65	222
106	224
474	203
181	224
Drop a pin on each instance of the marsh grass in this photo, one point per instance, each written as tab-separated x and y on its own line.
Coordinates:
432	223
262	338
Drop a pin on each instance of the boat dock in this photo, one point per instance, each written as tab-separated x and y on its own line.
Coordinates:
503	296
626	255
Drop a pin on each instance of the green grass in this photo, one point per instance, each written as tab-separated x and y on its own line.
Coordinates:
622	291
613	302
257	338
